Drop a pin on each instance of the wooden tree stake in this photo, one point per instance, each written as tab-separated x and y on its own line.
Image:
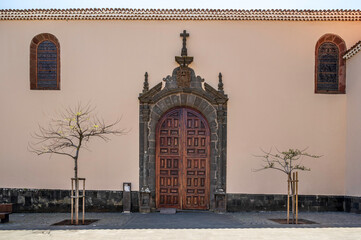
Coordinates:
293	184
74	196
296	190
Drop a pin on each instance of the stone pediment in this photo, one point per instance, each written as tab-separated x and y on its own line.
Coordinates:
183	80
172	86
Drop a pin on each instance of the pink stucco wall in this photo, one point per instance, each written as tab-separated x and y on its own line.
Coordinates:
353	142
268	72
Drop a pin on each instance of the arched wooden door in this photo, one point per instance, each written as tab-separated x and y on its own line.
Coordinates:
182	160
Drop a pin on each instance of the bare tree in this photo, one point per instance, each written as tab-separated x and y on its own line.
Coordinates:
70	133
286	162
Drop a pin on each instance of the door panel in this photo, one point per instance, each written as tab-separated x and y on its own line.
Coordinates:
168	164
196	156
182	167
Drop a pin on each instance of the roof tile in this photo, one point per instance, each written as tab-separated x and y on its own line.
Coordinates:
180	14
352	51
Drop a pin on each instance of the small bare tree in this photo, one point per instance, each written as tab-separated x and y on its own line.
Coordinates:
286	162
71	132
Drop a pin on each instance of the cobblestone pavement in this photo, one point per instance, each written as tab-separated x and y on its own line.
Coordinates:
183	225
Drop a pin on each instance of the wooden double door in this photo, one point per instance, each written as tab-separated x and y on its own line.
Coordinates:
182	160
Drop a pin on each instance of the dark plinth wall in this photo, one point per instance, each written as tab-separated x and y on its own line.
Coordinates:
259	202
48	200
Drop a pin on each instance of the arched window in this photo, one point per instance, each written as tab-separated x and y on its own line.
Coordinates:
330	67
45	62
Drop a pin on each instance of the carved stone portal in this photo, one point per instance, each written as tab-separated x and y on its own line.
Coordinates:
183	89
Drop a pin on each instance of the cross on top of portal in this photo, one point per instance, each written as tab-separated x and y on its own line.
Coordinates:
184	48
184	60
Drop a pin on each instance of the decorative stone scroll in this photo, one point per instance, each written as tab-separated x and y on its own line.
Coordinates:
183	89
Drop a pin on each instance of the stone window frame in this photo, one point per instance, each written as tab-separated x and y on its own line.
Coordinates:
341	45
33	60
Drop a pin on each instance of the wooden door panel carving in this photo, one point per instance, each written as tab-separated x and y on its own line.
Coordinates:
182	166
196	153
168	173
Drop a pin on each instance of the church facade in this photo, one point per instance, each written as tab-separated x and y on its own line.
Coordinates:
201	93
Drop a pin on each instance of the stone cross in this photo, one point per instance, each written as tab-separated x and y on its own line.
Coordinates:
184	49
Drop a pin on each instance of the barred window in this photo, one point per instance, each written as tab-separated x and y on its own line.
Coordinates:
45	62
327	75
330	66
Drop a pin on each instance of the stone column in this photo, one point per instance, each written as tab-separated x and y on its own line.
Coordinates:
144	198
220	194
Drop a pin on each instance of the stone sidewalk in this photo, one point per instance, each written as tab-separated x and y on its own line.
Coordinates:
183	225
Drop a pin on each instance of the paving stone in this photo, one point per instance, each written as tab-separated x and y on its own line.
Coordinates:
181	220
168	211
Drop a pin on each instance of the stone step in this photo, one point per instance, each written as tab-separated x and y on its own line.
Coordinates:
168	211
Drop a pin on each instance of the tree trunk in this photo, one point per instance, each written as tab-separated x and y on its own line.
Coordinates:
293	197
76	192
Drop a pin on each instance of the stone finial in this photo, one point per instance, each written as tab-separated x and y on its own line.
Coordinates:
220	83
145	84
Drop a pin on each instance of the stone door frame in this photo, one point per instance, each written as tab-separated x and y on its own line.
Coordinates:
212	104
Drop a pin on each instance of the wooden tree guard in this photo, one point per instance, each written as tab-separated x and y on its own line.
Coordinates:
74	196
293	185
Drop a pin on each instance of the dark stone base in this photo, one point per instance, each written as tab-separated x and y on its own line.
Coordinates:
221	203
353	204
313	203
50	200
144	202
